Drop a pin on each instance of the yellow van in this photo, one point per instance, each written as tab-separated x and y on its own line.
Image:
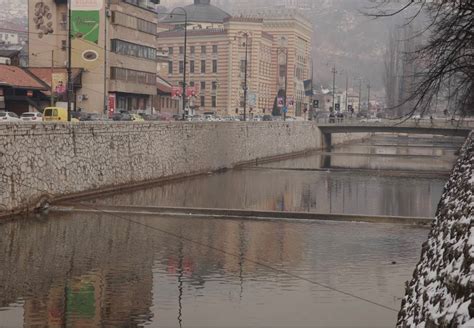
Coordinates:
55	114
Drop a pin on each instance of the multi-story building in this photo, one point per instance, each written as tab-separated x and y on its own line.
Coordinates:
14	37
277	49
113	42
292	34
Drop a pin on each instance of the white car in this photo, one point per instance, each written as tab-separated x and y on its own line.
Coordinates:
9	117
31	117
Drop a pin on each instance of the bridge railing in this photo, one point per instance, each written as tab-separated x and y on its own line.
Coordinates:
426	123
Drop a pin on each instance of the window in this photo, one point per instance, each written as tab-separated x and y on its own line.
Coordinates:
181	66
133	49
214	85
193	50
203	101
203	66
63	44
181	50
63	22
214	101
191	66
203	49
170	67
146	26
129	75
191	84
203	85
214	49
214	66
123	19
170	50
145	4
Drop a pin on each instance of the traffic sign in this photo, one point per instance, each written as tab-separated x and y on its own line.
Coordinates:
280	102
252	99
290	102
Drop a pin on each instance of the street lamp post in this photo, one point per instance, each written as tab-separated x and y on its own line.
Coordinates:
246	43
284	50
334	88
70	89
185	53
245	78
286	84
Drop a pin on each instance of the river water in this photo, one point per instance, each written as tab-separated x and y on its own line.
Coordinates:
90	270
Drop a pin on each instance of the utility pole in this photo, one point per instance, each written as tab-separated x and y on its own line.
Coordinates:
360	93
70	89
185	53
368	97
286	83
52	71
106	20
334	88
245	79
347	86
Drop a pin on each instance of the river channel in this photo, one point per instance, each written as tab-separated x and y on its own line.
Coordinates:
98	269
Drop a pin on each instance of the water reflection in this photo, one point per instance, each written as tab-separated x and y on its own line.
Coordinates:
309	190
295	191
95	270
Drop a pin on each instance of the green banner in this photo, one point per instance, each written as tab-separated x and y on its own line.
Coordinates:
85	25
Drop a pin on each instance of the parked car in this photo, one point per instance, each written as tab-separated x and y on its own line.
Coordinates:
178	117
267	118
9	117
136	118
31	117
122	117
55	114
95	117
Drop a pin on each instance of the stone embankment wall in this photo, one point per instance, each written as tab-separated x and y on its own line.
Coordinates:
441	293
51	160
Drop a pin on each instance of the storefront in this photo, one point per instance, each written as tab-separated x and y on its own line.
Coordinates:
129	102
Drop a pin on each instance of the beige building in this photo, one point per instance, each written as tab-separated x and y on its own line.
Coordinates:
113	42
278	57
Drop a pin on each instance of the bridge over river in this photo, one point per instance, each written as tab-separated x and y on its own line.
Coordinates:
423	127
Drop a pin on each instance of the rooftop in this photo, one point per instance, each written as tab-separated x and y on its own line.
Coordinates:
17	77
200	12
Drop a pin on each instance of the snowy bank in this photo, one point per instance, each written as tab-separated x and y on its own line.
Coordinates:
441	293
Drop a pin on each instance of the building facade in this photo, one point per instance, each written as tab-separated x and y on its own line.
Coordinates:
275	49
113	42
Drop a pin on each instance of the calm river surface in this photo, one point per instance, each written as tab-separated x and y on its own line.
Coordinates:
91	270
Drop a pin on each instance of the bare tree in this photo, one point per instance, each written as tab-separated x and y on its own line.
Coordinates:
446	56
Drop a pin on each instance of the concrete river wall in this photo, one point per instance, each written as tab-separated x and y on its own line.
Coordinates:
441	293
48	161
